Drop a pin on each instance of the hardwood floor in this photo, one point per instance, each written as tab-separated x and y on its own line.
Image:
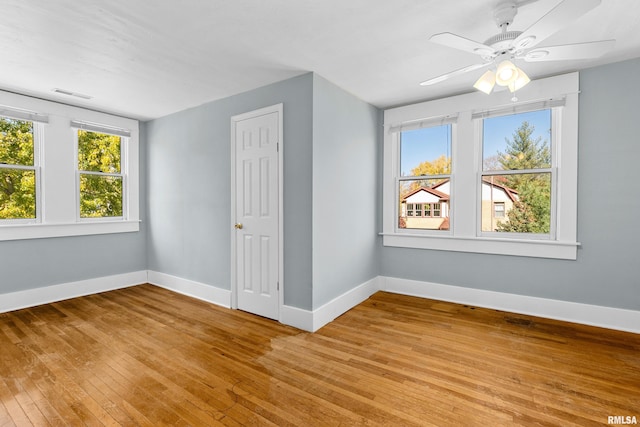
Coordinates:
147	356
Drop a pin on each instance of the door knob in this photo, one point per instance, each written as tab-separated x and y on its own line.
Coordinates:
238	226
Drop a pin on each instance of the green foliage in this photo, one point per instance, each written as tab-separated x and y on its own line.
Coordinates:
17	186
532	212
98	152
523	152
100	195
440	166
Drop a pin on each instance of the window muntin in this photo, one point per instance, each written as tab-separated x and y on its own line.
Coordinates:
425	170
18	170
100	177
516	164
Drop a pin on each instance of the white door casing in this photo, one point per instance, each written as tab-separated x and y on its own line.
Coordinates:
256	139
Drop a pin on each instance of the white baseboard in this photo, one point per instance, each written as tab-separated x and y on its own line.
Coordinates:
345	302
594	315
313	320
605	317
48	294
191	288
297	317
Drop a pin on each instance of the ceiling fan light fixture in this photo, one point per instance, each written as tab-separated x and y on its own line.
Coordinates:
519	82
486	82
506	73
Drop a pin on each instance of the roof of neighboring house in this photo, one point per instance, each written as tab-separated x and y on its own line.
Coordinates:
444	181
508	191
445	224
443	197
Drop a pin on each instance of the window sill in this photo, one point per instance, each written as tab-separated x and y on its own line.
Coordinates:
485	245
42	231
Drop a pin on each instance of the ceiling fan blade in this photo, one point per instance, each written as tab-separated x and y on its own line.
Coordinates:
458	42
569	51
452	74
553	21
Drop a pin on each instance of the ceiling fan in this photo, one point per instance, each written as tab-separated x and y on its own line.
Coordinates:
508	45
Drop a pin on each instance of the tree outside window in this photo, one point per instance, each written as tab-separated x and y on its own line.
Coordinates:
100	174
17	170
526	155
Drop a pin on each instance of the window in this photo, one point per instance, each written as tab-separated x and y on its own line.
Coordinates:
65	171
510	182
425	165
410	211
18	170
516	168
100	178
436	209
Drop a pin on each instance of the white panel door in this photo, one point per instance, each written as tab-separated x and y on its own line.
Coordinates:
256	214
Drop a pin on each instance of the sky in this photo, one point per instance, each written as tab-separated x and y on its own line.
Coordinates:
430	143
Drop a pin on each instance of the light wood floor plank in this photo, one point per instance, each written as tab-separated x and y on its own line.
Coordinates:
144	356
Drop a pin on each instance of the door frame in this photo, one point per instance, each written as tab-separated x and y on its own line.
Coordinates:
277	108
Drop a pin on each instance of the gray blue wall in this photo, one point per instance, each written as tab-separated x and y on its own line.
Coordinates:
35	263
190	188
607	271
330	162
345	191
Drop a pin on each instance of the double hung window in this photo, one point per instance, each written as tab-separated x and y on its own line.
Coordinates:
425	171
478	173
517	177
101	181
19	173
65	171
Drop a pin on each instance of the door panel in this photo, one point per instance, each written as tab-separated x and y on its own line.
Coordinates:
257	238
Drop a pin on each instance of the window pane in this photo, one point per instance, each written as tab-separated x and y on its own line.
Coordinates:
98	152
100	196
526	200
518	141
17	194
416	201
16	142
426	151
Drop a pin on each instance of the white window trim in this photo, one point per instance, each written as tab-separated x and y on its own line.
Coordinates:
464	235
124	142
57	197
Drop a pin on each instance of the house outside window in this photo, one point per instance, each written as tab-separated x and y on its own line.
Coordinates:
479	180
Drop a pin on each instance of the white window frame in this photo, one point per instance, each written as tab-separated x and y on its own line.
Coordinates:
465	234
58	189
124	141
394	133
37	142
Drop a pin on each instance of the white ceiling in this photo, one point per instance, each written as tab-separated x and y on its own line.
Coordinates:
147	59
